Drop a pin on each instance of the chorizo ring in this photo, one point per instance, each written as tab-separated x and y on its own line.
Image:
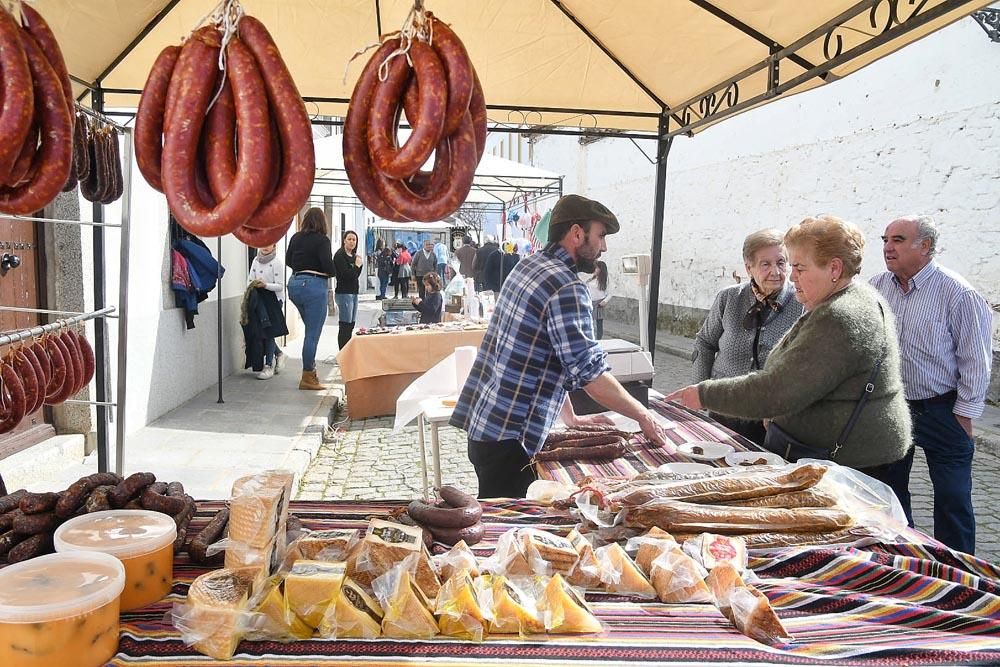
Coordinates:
261	238
155	498
298	156
21	172
52	162
16	92
89	360
477	107
68	369
457	70
445	517
218	146
451	536
57	367
40	30
12	398
357	162
76	358
131	487
29	378
180	147
148	133
403	162
35	358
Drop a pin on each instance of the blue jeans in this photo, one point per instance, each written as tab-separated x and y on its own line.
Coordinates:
347	308
949	451
440	271
269	349
308	292
383	284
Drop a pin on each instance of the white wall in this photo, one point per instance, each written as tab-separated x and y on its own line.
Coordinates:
916	132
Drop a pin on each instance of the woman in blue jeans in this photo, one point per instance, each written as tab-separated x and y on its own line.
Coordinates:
347	262
310	257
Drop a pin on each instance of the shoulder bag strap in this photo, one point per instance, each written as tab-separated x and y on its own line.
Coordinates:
865	394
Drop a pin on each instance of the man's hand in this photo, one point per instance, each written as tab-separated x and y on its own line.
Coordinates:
965	423
652	429
592	420
688	397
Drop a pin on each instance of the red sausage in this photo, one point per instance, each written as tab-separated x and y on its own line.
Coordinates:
29	378
76	358
477	107
218	144
12	398
298	156
57	365
16	93
427	126
180	148
89	361
39	29
21	171
458	72
357	162
148	134
54	158
261	238
68	372
40	374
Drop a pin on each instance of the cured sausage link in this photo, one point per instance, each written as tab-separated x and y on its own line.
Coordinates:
458	72
261	238
40	30
149	117
298	156
12	398
53	160
180	149
16	93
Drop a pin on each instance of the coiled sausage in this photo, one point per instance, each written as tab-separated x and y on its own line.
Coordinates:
16	92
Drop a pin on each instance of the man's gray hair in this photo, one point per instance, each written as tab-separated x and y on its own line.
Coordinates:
926	231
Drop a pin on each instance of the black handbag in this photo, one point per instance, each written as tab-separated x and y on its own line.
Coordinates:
780	442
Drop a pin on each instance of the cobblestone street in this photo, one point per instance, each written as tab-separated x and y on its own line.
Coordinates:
366	460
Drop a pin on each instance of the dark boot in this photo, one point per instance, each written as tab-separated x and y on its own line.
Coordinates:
350	332
344	334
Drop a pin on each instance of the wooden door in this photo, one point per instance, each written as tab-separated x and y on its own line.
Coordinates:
22	286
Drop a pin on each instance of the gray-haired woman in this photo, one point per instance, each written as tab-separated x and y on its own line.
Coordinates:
747	320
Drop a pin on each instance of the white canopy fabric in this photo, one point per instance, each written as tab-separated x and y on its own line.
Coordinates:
627	65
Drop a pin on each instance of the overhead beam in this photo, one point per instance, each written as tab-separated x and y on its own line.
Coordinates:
162	14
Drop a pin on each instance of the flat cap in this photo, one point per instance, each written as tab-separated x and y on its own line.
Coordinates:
574	208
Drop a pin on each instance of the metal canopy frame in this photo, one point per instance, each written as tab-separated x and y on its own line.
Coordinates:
711	106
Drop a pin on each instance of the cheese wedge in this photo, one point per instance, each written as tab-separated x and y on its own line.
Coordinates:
676	577
311	587
328	545
407	611
218	601
513	611
565	611
356	615
258	508
457	608
711	550
385	545
587	571
620	574
458	559
650	546
755	617
281	621
264	561
722	581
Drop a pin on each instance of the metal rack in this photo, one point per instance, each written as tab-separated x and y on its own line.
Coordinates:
101	311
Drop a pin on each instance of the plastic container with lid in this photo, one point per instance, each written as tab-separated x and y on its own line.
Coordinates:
60	609
141	539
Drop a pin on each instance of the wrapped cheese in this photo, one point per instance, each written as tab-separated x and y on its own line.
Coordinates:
722	581
458	609
328	545
279	620
676	577
407	610
214	618
620	574
564	609
711	550
649	546
385	545
587	571
311	587
458	559
258	509
558	553
511	609
754	616
356	615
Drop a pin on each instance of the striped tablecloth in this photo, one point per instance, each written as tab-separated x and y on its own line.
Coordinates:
688	426
898	604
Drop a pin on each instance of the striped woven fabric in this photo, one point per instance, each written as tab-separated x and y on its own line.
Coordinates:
689	426
895	604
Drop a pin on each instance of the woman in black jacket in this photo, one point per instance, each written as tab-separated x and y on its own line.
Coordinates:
310	258
432	304
347	262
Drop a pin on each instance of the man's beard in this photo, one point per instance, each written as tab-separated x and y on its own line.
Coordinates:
586	265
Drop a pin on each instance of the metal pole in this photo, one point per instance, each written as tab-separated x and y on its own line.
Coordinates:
218	286
100	326
659	200
123	271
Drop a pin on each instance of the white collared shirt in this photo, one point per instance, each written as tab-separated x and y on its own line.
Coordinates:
944	329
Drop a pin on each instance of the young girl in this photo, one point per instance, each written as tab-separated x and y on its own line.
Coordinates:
268	270
431	305
598	286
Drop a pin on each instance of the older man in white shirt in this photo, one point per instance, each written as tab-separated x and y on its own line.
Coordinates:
944	329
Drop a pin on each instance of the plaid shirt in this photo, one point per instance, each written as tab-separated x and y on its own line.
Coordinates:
539	345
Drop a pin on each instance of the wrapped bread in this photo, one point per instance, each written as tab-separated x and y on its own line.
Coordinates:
356	615
711	550
620	574
407	610
565	611
311	587
385	545
683	517
458	609
214	618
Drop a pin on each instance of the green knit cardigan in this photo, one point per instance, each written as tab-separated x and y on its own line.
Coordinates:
814	377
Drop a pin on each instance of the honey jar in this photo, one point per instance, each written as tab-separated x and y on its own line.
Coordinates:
60	609
142	540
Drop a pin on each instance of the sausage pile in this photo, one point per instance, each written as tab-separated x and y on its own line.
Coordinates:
36	117
456	517
97	164
443	101
232	151
584	443
47	372
29	520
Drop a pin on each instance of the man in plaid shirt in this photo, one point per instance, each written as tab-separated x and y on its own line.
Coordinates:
539	346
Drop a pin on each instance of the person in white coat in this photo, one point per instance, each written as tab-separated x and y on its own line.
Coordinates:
268	271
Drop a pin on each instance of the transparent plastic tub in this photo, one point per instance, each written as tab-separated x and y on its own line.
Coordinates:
141	539
61	609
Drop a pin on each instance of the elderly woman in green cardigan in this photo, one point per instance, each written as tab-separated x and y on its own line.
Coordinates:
815	376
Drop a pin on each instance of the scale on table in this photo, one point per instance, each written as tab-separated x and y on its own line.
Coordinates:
630	364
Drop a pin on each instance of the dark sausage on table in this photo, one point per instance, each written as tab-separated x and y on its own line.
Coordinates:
451	536
33	524
213	531
593	452
591	441
78	492
36	503
154	498
8	541
10	502
36	545
131	487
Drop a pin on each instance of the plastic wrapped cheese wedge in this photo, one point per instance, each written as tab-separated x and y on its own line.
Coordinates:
458	610
511	609
676	577
258	509
311	587
754	616
587	571
649	546
279	621
387	544
356	615
407	610
620	574
564	610
458	559
558	553
216	614
329	545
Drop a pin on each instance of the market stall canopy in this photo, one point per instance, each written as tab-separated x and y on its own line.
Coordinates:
626	65
497	182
